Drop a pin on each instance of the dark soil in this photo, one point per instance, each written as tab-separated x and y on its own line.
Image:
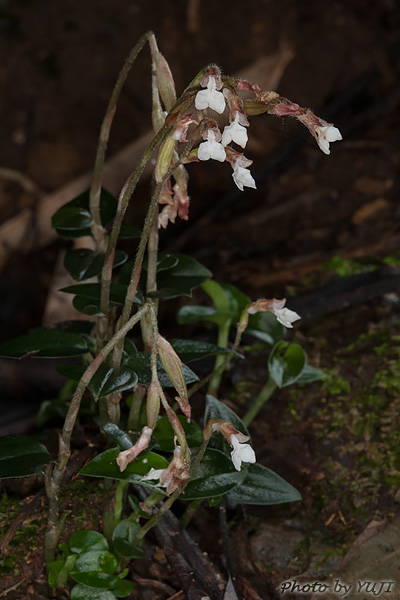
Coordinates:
336	442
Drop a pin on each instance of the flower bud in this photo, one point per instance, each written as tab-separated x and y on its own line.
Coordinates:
173	366
152	404
164	159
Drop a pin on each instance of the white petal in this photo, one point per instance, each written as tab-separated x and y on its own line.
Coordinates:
241	453
333	134
204	152
326	134
236	133
217	151
286	316
217	101
201	100
242	177
153	474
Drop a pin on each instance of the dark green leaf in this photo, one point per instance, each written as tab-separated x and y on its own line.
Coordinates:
215	409
71	218
164	262
87	539
190	350
216	476
286	363
83	592
83	263
108	381
21	456
311	375
74	220
54	569
95	579
140	363
262	486
92	291
193	314
181	279
78	326
123	440
124	588
264	326
129	233
105	465
164	434
123	539
87	307
96	560
51	409
73	372
47	343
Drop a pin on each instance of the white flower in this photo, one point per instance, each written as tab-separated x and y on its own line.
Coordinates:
325	135
235	133
286	316
210	97
154	474
242	177
241	453
211	148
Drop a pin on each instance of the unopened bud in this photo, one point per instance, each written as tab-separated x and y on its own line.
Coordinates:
152	404
172	365
165	81
164	158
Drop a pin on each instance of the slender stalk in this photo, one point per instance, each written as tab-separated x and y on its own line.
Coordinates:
136	405
190	512
55	472
216	376
259	402
113	512
95	190
162	510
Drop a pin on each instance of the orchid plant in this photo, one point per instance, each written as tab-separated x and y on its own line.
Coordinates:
131	376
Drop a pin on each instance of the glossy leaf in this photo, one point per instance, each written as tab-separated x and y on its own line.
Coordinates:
226	298
264	326
181	279
46	343
124	588
74	219
21	456
286	363
105	465
216	476
164	434
196	313
140	363
311	375
87	539
111	381
91	291
164	262
123	539
123	440
83	263
262	487
83	592
96	560
215	409
190	350
95	579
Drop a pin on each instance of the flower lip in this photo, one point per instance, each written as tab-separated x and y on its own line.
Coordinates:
235	132
241	453
242	177
210	97
325	135
211	148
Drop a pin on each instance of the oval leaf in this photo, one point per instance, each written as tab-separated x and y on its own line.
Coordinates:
83	592
46	343
286	363
96	560
140	363
83	263
95	579
73	220
262	486
215	409
110	381
164	434
21	456
216	476
87	539
190	350
123	539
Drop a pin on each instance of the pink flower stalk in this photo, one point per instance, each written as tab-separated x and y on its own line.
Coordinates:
127	456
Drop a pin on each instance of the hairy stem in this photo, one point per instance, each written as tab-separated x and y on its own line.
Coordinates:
95	190
55	471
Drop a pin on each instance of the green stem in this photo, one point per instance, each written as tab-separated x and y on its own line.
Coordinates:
95	190
136	405
112	517
55	471
223	338
190	512
259	402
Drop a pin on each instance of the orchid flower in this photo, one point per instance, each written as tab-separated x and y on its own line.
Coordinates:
325	135
211	148
210	97
235	132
